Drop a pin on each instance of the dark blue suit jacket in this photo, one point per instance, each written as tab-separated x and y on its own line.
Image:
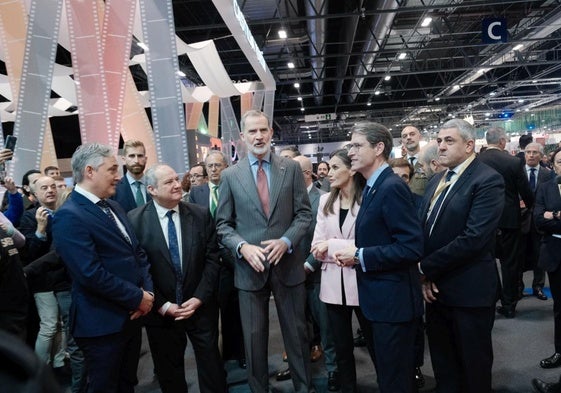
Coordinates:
548	199
459	252
388	230
107	271
200	195
124	196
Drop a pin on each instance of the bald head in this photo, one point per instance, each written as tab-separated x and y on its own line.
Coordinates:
306	165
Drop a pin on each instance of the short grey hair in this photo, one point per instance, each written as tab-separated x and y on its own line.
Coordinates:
217	153
150	177
494	135
92	154
253	113
535	144
466	130
429	152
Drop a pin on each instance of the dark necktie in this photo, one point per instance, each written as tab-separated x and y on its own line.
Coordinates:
213	199
365	192
533	179
173	246
412	160
138	197
263	188
107	210
435	209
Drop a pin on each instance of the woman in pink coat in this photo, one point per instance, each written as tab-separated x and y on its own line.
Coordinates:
335	230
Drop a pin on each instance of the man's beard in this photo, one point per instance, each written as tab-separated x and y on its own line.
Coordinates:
136	169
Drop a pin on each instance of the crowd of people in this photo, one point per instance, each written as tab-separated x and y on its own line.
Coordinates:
407	245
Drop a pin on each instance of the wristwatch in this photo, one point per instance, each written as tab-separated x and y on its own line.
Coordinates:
356	258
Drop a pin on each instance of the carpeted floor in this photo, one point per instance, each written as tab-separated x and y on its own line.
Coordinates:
519	345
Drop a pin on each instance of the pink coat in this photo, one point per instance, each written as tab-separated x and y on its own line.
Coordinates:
327	228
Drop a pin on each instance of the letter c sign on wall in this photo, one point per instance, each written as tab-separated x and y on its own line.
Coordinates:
494	31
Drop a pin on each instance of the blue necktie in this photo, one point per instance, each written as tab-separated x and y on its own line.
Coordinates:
365	192
533	179
436	207
175	259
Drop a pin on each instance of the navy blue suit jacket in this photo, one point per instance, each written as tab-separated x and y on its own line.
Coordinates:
548	199
124	195
108	273
389	231
200	195
459	252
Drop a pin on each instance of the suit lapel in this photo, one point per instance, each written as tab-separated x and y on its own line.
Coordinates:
373	192
247	183
152	223
458	185
278	171
429	192
348	229
187	230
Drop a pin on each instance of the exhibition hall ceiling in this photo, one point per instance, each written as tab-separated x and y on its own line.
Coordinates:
394	62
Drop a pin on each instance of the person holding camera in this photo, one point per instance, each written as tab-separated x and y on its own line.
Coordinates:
548	220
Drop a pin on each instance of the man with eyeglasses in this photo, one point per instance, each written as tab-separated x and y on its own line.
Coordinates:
207	195
198	175
388	243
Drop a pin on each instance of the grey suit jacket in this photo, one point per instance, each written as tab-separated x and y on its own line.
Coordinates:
240	218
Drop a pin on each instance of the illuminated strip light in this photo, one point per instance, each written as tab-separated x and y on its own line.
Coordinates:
164	84
33	45
117	30
87	62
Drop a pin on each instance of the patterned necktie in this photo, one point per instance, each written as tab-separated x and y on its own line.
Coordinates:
213	199
533	179
138	197
435	209
173	246
107	210
263	188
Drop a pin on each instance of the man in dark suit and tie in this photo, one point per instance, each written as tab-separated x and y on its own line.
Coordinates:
180	241
529	250
231	326
388	244
131	190
411	139
111	285
508	236
460	211
263	214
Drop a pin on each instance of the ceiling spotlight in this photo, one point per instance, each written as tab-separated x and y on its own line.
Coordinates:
282	34
387	77
297	85
437	99
521	101
402	56
518	47
492	93
368	103
302	109
457	87
290	65
377	92
487	114
299	98
426	21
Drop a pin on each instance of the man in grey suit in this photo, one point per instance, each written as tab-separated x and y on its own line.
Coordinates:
263	214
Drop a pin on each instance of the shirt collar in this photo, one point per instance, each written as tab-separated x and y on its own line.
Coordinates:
528	167
162	211
372	179
82	191
254	160
131	179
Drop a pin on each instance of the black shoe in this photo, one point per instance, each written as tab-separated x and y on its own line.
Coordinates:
543	387
359	340
333	384
506	311
538	292
283	375
419	378
552	361
242	363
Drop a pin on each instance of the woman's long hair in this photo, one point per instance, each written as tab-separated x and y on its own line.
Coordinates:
358	184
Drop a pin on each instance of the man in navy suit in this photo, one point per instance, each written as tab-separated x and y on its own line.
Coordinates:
388	243
111	285
460	211
131	190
